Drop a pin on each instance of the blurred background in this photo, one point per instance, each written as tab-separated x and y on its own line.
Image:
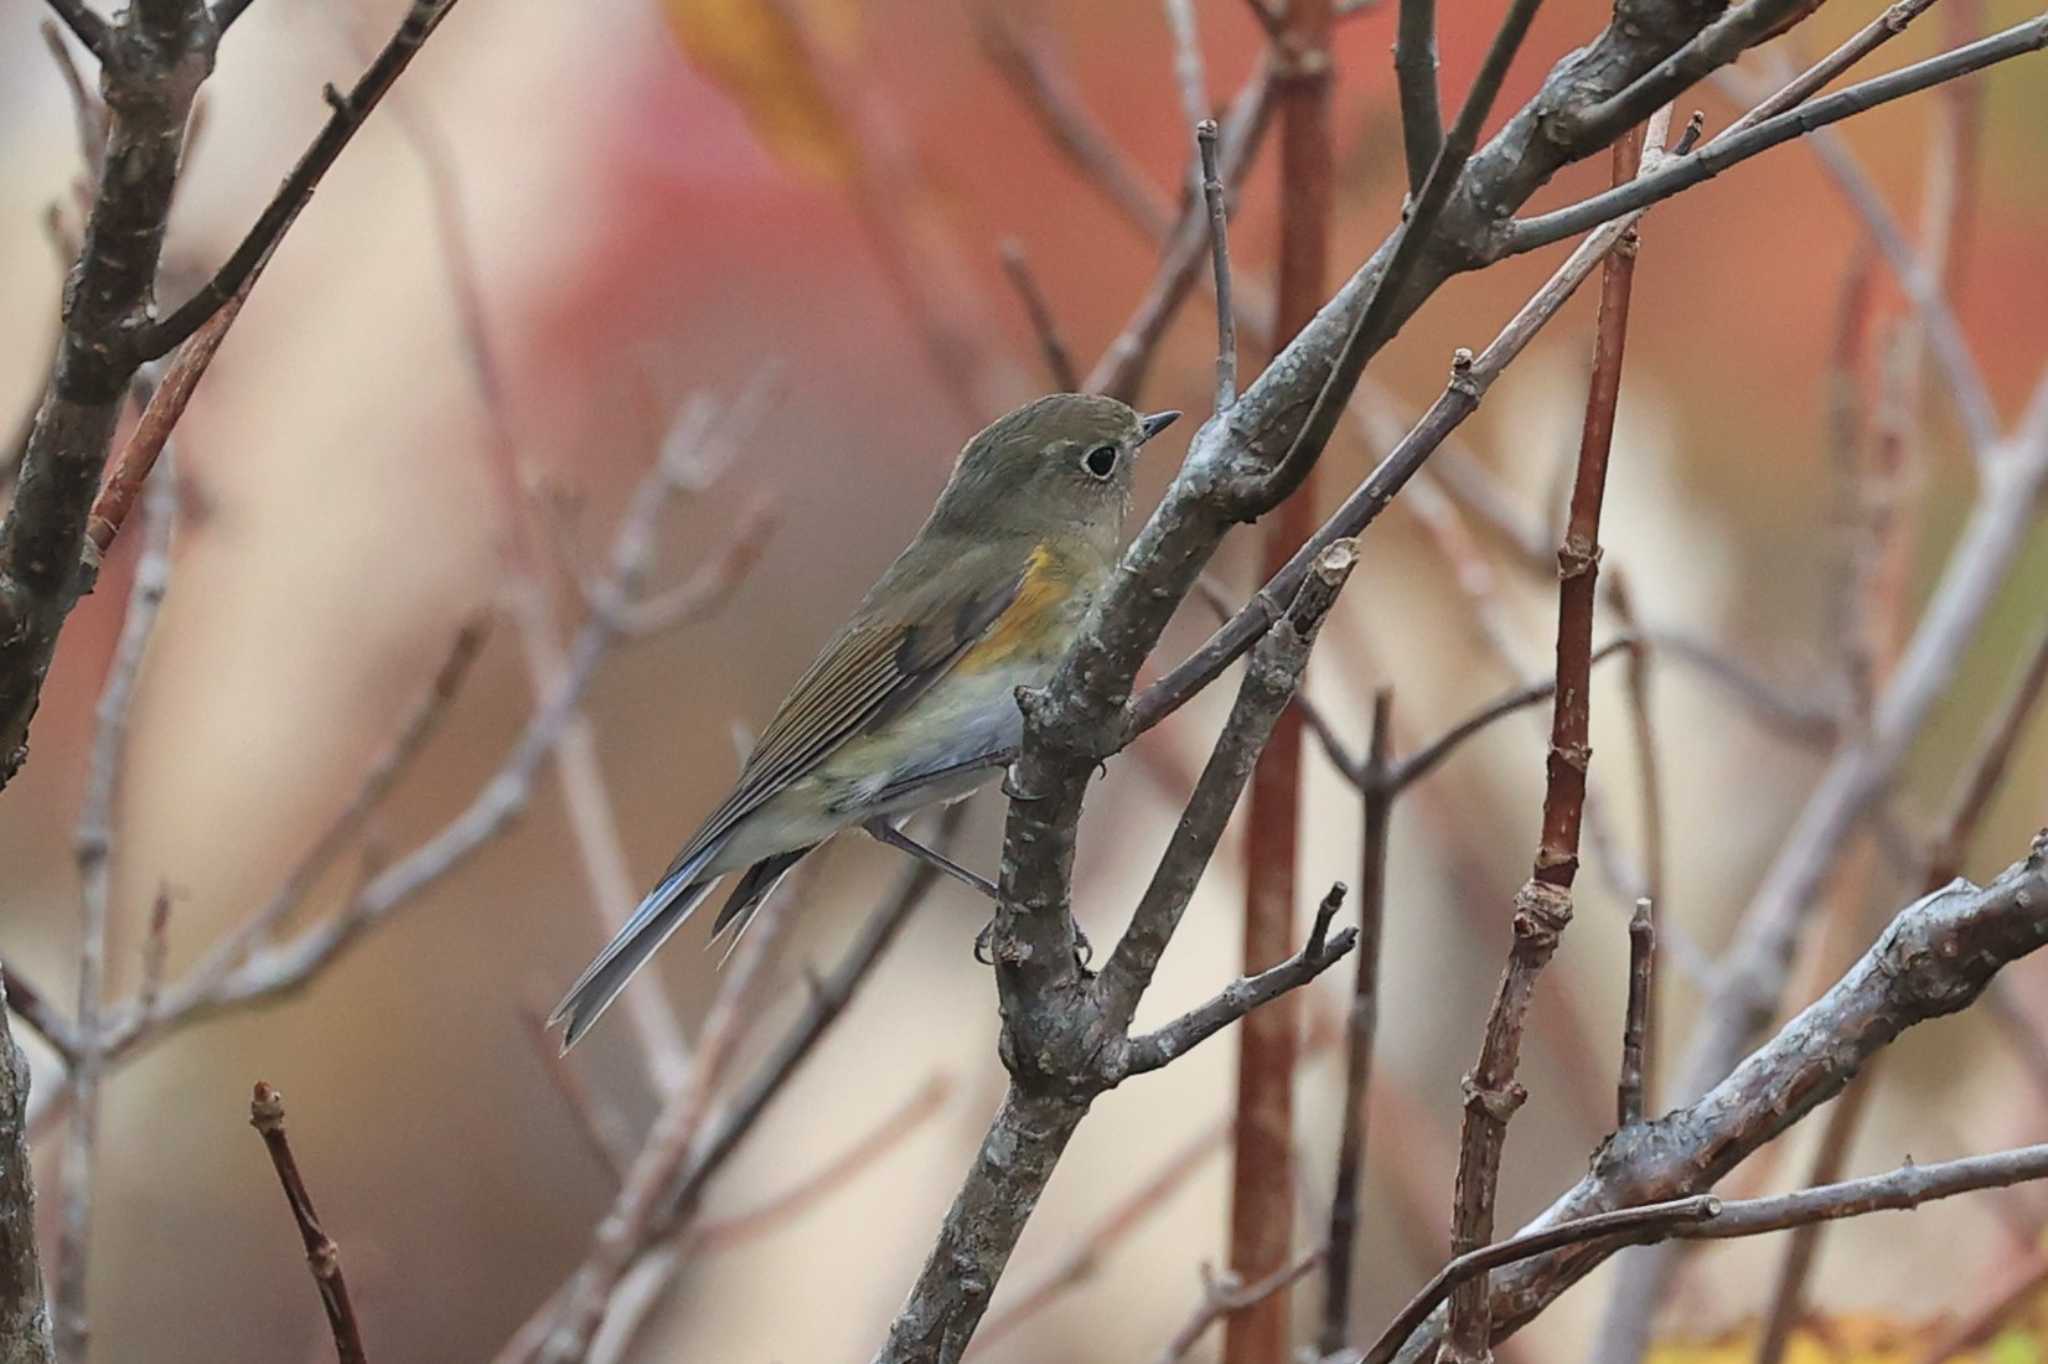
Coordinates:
658	203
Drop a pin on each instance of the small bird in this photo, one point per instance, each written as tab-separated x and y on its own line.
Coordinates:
914	700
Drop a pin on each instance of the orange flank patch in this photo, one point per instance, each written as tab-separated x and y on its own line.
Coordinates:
1023	626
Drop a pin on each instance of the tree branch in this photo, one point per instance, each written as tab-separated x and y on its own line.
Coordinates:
24	1313
1526	234
85	25
1936	957
349	113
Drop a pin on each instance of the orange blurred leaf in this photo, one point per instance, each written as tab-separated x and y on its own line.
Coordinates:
757	54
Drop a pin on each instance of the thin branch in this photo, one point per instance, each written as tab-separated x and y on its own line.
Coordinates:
1123	1218
1405	772
95	852
24	1311
727	1128
1422	122
32	1006
1720	153
637	1212
349	113
1632	1089
1052	344
1188	77
88	110
1974	790
133	1024
1322	950
897	1125
1376	319
1219	265
1121	368
602	1127
1543	907
593	819
85	25
1361	1026
1035	71
266	1115
146	442
1128	973
1653	1218
1221	1301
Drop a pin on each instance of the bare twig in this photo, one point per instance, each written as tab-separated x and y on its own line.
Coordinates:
727	1128
1031	66
1059	358
1223	1301
638	1210
1636	1033
266	1115
593	820
24	1312
348	114
602	1127
1188	77
1219	265
95	852
1543	907
1121	369
921	1106
1066	1038
152	432
1361	1026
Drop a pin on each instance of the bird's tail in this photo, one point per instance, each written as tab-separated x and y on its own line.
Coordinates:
667	907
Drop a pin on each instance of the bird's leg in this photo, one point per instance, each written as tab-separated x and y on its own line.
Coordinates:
882	831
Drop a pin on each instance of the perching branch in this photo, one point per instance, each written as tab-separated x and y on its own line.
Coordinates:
1065	1035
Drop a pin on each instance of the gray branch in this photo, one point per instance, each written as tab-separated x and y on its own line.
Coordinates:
24	1315
1934	959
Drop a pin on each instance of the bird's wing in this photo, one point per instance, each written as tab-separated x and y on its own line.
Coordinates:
873	668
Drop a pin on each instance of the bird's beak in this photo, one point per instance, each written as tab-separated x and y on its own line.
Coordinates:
1156	423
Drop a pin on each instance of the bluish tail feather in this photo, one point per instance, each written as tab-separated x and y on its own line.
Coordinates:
667	907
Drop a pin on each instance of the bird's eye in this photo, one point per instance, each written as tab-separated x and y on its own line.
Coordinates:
1101	461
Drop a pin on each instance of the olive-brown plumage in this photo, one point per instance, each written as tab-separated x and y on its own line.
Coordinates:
914	699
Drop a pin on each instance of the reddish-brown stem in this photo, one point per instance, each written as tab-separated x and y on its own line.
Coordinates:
266	1115
1262	1183
1543	907
1361	1026
123	486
